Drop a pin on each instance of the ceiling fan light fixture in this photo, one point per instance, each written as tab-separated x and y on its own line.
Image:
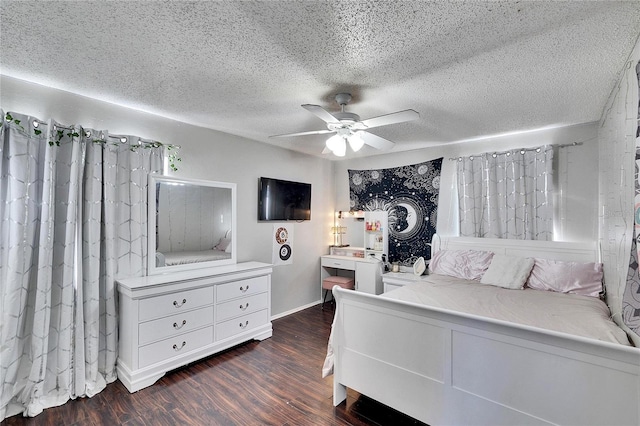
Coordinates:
334	142
355	141
341	148
337	145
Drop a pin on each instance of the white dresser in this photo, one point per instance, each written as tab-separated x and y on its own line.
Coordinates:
169	320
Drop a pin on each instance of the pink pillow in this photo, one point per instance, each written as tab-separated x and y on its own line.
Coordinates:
567	277
223	244
466	264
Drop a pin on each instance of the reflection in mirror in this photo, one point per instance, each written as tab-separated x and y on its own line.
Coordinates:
192	225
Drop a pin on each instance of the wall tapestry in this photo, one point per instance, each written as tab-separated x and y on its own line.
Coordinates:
631	297
409	195
282	244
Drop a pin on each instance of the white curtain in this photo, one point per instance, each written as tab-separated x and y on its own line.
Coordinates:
507	194
631	296
73	205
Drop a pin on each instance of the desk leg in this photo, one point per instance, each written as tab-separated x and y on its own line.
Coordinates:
324	273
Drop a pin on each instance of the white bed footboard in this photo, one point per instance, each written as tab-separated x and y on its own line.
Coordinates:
443	367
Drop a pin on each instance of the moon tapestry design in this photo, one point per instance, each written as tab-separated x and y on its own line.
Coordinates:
409	194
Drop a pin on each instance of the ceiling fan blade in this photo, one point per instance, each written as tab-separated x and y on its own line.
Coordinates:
393	118
321	113
326	150
376	141
313	132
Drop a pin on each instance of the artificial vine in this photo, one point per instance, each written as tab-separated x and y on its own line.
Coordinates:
60	134
172	150
172	156
15	121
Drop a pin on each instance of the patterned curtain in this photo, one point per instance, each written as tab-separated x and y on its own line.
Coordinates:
507	194
631	296
73	207
409	194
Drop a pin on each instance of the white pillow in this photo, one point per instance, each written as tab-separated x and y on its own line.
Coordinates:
508	271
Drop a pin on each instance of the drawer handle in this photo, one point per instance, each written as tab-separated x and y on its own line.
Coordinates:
244	289
179	326
243	326
176	348
179	305
244	307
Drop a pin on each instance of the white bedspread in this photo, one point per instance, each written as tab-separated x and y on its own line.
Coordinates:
568	313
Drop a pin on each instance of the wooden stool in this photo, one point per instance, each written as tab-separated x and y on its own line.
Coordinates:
329	282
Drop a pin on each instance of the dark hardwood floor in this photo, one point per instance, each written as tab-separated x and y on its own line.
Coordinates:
274	382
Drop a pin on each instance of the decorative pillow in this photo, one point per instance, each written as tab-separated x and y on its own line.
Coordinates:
223	244
466	264
567	277
508	271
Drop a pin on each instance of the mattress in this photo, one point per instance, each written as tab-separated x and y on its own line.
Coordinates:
567	313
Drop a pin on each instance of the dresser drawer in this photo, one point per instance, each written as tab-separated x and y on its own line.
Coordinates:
163	328
169	304
329	262
241	306
175	346
238	325
241	288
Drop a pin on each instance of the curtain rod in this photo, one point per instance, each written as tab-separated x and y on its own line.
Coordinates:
87	133
522	151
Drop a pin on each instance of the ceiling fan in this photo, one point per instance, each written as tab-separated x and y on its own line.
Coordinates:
348	127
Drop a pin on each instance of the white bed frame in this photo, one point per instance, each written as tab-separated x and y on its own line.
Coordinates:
443	367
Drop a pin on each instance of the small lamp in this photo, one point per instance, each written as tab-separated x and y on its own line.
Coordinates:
338	232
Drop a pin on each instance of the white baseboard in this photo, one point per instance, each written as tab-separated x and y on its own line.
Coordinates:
293	311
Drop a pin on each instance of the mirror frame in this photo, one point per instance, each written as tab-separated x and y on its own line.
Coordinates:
152	269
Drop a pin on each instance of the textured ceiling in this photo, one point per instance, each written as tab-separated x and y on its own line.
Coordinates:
245	67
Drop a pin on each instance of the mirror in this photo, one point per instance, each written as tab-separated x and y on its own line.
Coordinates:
191	224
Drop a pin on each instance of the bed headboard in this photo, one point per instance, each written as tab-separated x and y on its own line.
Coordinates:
558	250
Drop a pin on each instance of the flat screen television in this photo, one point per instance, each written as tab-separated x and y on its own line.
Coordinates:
283	200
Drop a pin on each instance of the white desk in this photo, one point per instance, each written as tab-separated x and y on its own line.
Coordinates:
367	273
393	280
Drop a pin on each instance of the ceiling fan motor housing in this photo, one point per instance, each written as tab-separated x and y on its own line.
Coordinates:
347	117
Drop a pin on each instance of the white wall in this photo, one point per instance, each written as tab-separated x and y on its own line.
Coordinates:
212	155
577	178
